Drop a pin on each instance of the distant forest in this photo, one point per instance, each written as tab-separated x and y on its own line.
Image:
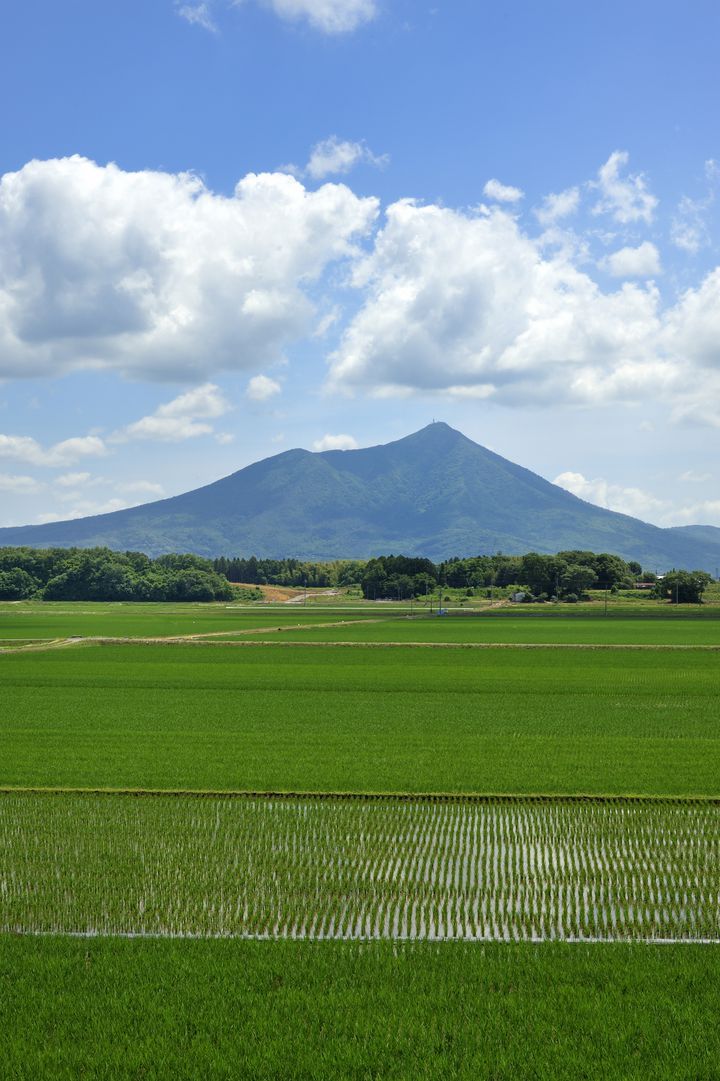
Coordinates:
100	574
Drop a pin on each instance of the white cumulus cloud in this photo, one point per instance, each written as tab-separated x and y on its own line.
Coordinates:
692	476
639	503
328	16
74	480
471	305
504	193
633	501
689	229
705	512
185	417
467	303
262	387
83	509
557	206
197	15
626	198
640	262
693	328
140	487
153	275
25	448
336	442
19	484
333	157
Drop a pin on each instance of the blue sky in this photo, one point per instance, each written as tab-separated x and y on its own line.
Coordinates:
228	229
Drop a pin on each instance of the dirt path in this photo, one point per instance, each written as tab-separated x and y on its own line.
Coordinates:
191	640
204	637
246	638
249	631
43	646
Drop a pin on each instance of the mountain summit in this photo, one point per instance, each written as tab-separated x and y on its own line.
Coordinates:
434	493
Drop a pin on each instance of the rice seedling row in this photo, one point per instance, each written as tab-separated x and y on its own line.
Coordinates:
336	869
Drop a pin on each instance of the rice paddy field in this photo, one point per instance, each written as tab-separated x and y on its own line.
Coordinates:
44	621
674	630
362	719
478	870
310	844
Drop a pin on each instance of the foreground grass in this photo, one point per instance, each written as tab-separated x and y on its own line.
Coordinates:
362	719
157	1009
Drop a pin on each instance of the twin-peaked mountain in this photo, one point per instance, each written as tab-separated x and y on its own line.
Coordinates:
434	493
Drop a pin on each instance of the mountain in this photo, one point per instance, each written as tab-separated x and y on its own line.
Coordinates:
434	493
699	532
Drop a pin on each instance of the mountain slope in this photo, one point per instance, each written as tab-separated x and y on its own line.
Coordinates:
434	493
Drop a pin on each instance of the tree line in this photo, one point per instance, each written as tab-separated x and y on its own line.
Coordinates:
568	575
99	574
290	572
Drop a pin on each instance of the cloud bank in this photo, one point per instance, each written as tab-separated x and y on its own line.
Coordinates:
152	275
469	304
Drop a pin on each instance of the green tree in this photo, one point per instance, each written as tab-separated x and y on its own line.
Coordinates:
577	579
16	584
683	587
543	573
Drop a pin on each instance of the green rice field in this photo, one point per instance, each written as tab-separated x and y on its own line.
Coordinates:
302	718
496	627
381	622
34	621
281	934
124	1009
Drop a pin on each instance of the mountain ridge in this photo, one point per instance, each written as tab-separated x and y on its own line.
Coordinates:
434	493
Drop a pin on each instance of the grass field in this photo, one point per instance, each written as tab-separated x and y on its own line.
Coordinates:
43	621
362	719
653	624
499	627
120	1010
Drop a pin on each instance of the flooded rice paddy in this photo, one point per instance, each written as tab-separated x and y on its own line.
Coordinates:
318	868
